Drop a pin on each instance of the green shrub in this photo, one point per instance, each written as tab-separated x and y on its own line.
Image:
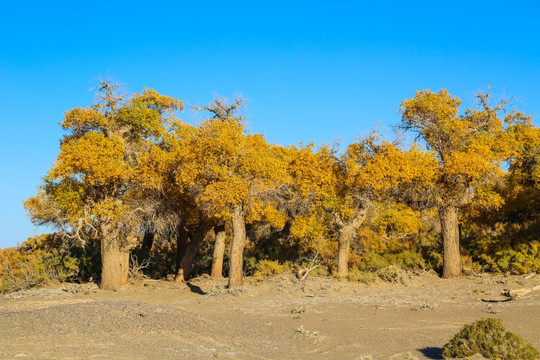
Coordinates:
405	259
366	277
392	273
35	262
489	338
320	271
373	262
270	267
524	259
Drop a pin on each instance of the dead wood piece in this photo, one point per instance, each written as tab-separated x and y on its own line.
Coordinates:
512	294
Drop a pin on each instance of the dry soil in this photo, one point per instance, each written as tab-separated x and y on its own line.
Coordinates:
272	318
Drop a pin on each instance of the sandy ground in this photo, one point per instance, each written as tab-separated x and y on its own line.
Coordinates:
276	318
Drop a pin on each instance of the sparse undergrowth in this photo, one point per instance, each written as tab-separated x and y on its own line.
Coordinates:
366	277
391	273
269	267
38	261
489	338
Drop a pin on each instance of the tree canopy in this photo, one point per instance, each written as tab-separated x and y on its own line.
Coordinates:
130	172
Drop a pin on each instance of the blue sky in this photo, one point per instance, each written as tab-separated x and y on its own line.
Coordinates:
310	70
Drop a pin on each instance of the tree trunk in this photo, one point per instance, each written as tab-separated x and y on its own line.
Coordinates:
219	250
450	236
191	251
113	264
345	235
124	265
237	247
346	232
182	238
147	242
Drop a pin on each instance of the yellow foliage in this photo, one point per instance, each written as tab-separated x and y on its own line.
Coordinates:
223	167
269	267
95	180
397	219
309	226
83	120
470	147
97	159
316	173
390	167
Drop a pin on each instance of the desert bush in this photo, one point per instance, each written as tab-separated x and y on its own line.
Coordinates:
470	267
35	262
320	270
136	268
489	338
392	273
269	267
366	277
372	262
422	253
202	264
523	259
407	259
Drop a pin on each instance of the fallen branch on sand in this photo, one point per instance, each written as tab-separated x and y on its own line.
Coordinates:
313	264
512	294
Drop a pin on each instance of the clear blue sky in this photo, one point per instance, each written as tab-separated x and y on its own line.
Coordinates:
311	70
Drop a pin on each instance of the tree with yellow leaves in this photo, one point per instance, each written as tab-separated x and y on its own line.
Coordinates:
470	149
87	194
232	175
344	187
171	210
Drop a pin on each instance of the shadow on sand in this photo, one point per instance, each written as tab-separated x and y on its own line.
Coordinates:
195	289
432	352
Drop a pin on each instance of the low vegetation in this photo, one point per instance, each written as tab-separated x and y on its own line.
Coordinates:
489	338
38	261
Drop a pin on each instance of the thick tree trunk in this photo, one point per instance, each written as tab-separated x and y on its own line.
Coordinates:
237	247
219	251
450	236
346	232
114	267
182	239
345	235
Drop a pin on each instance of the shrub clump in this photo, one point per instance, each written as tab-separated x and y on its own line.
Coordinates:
521	260
270	267
489	338
35	262
366	277
393	273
